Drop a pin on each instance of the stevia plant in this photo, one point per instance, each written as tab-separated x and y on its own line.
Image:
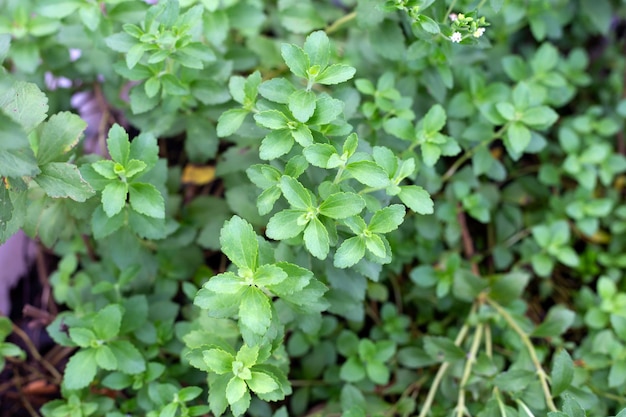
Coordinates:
357	208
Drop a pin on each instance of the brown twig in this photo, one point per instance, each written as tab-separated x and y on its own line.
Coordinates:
41	316
35	353
27	405
468	243
42	274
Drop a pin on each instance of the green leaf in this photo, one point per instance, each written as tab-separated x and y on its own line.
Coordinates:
572	408
401	128
61	180
335	74
272	119
352	370
508	288
540	117
302	105
129	359
515	380
218	360
316	239
517	137
430	153
146	199
443	349
558	320
80	370
276	144
81	336
376	245
350	252
230	121
145	148
235	389
317	47
105	358
25	104
387	219
417	199
262	383
16	157
377	372
319	154
58	136
106	323
239	242
296	59
562	372
285	224
277	90
295	193
342	205
368	173
255	311
118	144
434	120
114	197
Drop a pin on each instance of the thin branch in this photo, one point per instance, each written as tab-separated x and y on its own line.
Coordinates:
35	353
543	377
336	25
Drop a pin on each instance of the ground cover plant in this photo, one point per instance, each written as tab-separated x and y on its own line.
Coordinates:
316	208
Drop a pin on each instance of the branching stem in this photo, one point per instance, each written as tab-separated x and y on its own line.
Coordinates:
467	371
543	377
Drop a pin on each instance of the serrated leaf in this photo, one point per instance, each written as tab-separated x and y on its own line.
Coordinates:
61	180
146	199
129	359
335	74
25	103
302	105
118	144
350	252
387	219
16	157
58	136
235	389
255	311
106	323
317	47
80	370
368	173
319	154
218	360
342	205
296	59
105	358
285	225
417	199
114	197
276	144
262	383
230	121
239	242
295	193
435	119
272	119
316	239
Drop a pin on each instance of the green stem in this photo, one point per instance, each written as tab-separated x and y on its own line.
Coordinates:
430	397
470	152
460	407
448	11
543	378
339	22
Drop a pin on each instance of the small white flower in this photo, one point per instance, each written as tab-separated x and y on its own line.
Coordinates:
456	37
479	32
453	17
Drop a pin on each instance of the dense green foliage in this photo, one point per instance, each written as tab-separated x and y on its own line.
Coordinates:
417	206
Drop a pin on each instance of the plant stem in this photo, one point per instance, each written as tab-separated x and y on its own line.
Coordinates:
543	378
460	406
33	351
339	22
430	397
448	11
